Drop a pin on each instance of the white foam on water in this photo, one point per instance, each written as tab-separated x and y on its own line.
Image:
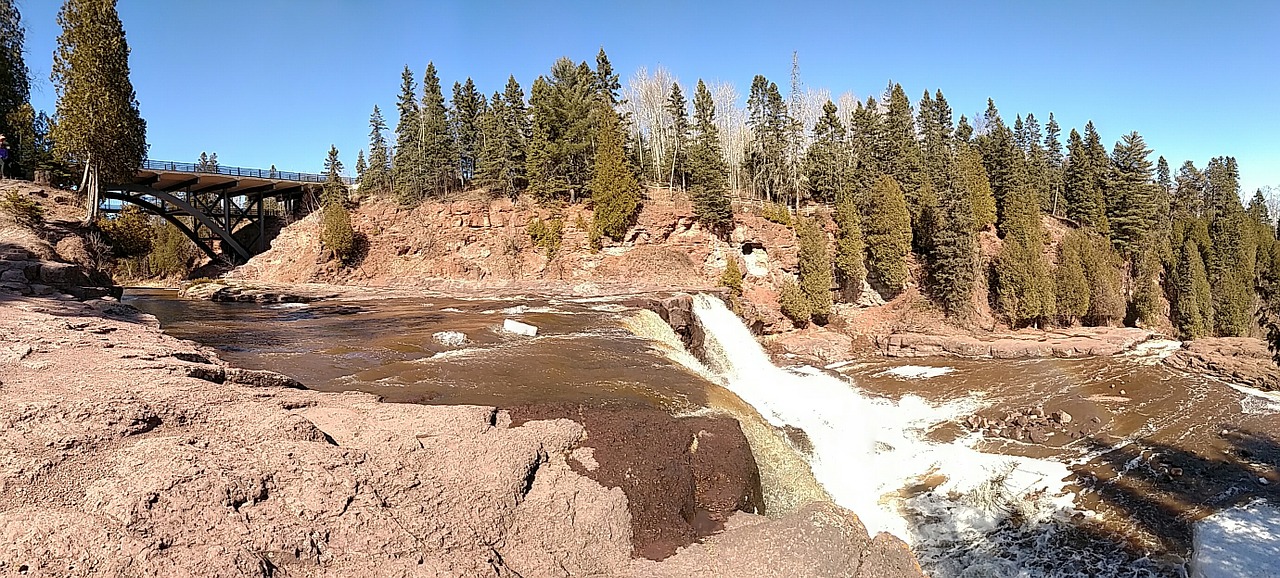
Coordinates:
915	372
609	308
866	449
451	310
1241	541
287	306
1256	401
1153	351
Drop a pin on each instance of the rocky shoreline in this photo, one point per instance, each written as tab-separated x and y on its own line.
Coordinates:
130	452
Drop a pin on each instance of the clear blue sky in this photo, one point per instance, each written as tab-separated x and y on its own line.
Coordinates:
277	81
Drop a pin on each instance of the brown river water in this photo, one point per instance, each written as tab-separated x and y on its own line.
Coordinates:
1151	450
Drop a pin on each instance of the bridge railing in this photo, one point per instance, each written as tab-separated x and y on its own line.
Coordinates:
172	166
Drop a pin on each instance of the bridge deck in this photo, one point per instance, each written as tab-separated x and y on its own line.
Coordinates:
232	181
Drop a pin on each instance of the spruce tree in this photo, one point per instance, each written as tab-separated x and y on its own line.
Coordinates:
1001	158
335	191
1231	268
899	152
377	177
1130	194
615	193
1188	191
506	129
826	165
1054	163
677	111
15	87
708	175
1023	285
545	179
1163	177
814	268
1103	270
973	178
98	123
434	139
559	155
1080	187
606	80
953	250
770	122
406	166
464	121
1192	302
850	254
888	235
361	167
863	136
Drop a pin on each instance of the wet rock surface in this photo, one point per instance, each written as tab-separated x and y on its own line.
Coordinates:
683	477
1078	342
1240	360
1037	426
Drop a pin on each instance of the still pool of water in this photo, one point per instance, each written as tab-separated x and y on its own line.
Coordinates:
1166	449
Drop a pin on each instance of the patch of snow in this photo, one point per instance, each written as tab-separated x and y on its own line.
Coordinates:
915	372
1241	541
451	338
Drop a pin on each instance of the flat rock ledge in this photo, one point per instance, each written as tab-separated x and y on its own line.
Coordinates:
1239	360
246	292
1080	342
125	452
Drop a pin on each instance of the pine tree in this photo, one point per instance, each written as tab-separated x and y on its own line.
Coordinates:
559	157
15	88
888	235
850	257
899	153
406	166
1002	159
98	121
434	139
865	170
335	191
1188	194
677	110
973	178
826	165
615	192
1192	303
377	177
506	138
361	167
766	156
1163	177
1231	266
464	121
708	175
814	268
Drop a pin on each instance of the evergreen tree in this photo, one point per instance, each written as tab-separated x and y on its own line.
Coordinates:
1080	187
1102	269
814	268
708	175
98	121
1071	283
545	179
1023	286
865	170
766	156
953	250
1192	302
1002	159
826	165
677	110
335	191
606	80
1188	194
615	192
850	257
899	153
15	87
1221	185
361	167
406	166
964	132
1231	268
506	138
559	156
888	235
464	121
1163	177
1054	163
436	143
973	178
1130	194
377	177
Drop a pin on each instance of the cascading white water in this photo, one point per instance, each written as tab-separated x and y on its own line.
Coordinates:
866	450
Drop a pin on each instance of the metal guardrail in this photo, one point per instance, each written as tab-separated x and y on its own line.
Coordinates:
150	165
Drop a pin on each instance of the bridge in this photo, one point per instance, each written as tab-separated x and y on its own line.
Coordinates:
211	204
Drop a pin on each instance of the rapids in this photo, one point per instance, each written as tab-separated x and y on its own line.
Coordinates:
1173	461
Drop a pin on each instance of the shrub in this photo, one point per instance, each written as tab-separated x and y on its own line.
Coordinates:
793	303
547	234
776	213
25	211
172	254
337	235
130	232
732	277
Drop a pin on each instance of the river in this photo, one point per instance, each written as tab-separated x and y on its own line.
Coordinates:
1150	454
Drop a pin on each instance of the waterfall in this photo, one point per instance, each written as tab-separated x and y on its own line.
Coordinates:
867	450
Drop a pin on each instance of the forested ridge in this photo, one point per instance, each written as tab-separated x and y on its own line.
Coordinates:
903	182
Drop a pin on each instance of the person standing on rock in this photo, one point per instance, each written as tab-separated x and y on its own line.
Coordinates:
4	158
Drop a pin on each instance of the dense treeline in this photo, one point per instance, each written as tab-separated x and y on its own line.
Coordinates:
903	182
